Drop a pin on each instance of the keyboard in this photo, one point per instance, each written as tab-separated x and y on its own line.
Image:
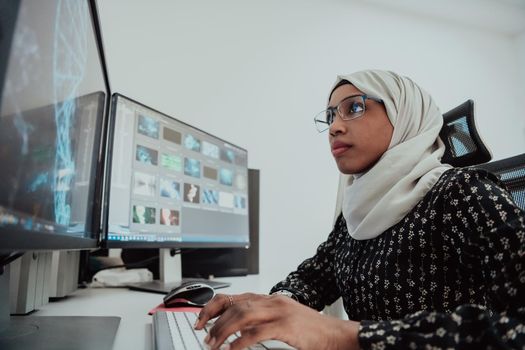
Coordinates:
174	331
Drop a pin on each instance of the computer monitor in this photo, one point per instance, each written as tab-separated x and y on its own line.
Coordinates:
173	185
54	95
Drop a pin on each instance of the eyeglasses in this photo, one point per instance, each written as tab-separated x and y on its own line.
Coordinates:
349	108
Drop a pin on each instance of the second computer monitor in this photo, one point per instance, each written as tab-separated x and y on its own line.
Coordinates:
173	185
52	110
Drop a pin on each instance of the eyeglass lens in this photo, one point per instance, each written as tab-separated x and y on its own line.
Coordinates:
349	108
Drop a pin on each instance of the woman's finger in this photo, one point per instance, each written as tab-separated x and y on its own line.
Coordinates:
212	309
241	316
257	334
218	305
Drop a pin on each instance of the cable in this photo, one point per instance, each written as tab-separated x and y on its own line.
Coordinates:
142	263
136	264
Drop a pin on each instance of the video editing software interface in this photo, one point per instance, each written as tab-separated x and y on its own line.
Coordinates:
171	182
52	105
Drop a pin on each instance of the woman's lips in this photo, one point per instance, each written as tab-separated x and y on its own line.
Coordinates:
337	151
339	148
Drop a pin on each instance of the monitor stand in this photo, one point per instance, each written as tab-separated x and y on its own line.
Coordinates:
52	332
171	276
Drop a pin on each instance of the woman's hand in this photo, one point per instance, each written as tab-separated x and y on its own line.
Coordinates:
263	317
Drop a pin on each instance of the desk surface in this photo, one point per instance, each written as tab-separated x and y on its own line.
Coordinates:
133	306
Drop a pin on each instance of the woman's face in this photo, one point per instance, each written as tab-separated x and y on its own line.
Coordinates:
358	144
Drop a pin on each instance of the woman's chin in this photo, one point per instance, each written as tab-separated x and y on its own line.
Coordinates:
352	166
348	169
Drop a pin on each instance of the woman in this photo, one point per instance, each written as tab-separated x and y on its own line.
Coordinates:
424	255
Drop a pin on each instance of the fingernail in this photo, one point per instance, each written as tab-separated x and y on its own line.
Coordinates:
207	338
225	347
212	343
195	324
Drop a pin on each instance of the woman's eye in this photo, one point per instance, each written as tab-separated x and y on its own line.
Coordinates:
356	107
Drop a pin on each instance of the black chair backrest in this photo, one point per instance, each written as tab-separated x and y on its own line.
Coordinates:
463	143
512	172
465	148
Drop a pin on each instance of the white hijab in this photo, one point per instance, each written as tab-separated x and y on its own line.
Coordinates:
379	198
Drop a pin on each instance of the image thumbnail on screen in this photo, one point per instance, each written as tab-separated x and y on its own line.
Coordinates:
169	217
143	214
191	193
170	189
148	126
192	143
147	155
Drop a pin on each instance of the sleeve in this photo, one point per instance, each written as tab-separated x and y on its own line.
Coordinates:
313	283
496	229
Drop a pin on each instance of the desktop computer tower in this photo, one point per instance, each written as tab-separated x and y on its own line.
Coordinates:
38	276
64	273
223	262
29	286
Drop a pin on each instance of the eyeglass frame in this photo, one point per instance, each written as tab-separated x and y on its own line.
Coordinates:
334	111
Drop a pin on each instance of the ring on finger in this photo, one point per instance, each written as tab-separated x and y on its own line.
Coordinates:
230	299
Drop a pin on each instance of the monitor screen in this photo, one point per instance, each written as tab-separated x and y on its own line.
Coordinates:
53	95
173	185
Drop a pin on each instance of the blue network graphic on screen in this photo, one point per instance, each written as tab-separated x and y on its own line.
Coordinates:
47	157
52	108
69	64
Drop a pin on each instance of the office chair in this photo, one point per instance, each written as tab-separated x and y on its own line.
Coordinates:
511	171
464	146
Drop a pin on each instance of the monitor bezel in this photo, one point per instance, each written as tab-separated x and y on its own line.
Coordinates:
146	244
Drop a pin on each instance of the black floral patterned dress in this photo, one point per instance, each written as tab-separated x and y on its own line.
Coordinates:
450	275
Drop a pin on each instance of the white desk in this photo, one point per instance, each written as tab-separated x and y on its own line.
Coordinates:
134	331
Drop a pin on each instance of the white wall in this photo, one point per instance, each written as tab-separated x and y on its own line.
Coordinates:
519	44
256	72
